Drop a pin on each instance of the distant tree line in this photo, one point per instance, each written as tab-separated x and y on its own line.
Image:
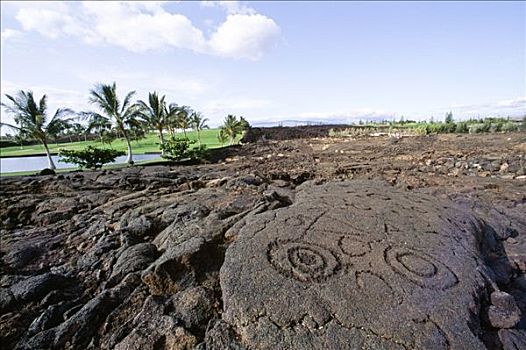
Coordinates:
449	125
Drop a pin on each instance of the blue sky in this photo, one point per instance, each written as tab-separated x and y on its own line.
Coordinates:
271	61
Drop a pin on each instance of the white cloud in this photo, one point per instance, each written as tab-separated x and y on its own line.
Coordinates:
515	107
50	23
181	87
9	34
138	28
516	102
56	98
145	26
245	36
231	7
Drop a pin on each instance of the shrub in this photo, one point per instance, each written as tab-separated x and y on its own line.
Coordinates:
421	130
179	149
497	127
477	128
90	157
462	128
510	126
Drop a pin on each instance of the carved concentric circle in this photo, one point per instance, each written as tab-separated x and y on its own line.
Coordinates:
420	268
303	261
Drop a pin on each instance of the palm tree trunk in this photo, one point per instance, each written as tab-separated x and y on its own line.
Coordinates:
121	129
198	137
186	137
49	159
162	141
129	159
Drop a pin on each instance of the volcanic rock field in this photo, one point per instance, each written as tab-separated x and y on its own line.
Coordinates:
309	243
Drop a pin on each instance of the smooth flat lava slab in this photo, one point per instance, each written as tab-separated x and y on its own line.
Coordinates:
354	265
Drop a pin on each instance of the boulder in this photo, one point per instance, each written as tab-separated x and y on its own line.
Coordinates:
513	339
354	265
503	312
193	306
155	330
174	270
47	171
37	287
220	336
134	258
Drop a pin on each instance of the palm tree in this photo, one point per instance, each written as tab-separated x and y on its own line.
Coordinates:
154	114
31	118
231	127
58	128
222	137
243	124
105	97
171	118
183	118
96	123
79	130
198	123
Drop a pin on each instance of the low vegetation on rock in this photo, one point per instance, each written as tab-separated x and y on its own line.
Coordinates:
90	157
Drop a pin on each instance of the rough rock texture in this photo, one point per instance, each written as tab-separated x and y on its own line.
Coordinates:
503	312
337	267
131	258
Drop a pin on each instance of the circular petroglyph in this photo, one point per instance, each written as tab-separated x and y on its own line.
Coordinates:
420	268
320	273
353	247
303	261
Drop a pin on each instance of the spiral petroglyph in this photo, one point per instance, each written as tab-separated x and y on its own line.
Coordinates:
305	262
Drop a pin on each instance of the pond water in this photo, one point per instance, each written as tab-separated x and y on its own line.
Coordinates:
8	165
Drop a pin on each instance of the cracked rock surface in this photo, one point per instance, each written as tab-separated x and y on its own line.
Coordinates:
319	243
346	259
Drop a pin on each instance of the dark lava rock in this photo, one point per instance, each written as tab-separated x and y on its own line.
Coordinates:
173	271
220	336
21	255
77	331
47	171
51	317
355	265
513	339
134	258
37	286
155	330
504	312
193	306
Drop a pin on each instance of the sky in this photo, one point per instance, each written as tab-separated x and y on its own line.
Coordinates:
274	61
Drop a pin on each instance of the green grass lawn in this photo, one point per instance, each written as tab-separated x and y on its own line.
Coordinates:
147	145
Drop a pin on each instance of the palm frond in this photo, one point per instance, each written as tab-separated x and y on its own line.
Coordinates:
127	101
11	126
